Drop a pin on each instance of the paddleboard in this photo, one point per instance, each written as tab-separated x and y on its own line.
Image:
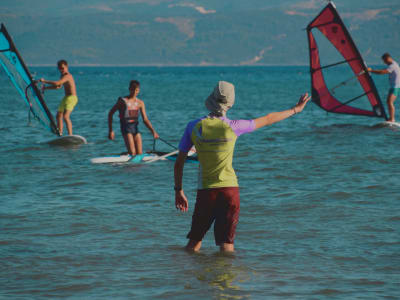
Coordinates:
122	159
147	157
67	140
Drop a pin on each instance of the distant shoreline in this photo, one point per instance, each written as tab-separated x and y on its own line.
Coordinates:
168	66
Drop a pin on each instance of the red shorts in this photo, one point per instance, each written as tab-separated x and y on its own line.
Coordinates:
221	205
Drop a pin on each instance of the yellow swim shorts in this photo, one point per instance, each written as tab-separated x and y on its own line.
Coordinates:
68	103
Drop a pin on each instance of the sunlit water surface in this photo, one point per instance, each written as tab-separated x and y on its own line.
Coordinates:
320	197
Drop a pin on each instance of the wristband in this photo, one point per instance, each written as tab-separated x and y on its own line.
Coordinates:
177	189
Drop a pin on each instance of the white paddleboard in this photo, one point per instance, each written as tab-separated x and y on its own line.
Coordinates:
68	140
121	159
147	158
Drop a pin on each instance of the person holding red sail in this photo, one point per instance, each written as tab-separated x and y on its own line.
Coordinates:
393	70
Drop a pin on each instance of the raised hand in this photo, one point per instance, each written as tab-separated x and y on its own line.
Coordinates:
302	102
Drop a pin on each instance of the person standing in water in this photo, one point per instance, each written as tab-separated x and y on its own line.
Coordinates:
214	137
129	108
393	70
70	99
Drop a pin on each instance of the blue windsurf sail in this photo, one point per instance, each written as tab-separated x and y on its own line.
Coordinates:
18	72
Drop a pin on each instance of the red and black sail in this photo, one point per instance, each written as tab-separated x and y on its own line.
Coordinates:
329	23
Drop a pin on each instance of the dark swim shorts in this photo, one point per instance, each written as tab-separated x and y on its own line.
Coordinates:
129	128
221	205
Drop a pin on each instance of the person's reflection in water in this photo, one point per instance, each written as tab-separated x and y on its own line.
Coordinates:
224	275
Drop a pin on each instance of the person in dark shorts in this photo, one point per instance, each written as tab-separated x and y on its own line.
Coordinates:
129	108
214	137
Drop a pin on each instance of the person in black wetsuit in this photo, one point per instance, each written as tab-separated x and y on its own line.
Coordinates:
129	108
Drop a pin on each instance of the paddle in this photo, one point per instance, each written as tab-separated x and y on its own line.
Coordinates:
162	156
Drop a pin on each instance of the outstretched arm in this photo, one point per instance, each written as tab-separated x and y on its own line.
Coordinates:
276	117
381	72
57	83
181	202
147	122
52	87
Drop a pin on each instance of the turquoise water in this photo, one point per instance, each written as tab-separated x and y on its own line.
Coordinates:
319	219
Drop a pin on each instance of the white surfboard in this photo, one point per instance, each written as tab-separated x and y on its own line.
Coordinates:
392	124
388	124
68	140
147	158
121	159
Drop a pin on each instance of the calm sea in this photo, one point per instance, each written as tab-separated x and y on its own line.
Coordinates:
320	197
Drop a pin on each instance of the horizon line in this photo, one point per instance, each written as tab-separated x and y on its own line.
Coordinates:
179	65
173	65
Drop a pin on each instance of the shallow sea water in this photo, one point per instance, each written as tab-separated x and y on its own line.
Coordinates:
320	197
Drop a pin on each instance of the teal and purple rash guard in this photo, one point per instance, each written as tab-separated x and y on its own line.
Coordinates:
214	139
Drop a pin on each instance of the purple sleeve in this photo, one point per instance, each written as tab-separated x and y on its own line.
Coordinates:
390	68
242	126
186	141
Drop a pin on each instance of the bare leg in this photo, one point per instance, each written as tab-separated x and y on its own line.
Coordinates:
67	120
60	123
193	245
130	143
225	247
138	143
390	102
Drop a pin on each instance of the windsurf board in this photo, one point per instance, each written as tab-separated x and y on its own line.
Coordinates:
388	124
67	140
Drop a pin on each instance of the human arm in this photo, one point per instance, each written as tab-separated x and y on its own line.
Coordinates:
185	145
58	84
51	87
181	202
276	117
111	134
380	72
147	122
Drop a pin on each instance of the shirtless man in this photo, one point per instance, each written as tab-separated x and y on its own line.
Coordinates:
393	70
129	108
70	99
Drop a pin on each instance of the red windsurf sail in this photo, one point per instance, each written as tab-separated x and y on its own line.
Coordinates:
329	23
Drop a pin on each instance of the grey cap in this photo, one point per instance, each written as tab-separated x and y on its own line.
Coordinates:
221	99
